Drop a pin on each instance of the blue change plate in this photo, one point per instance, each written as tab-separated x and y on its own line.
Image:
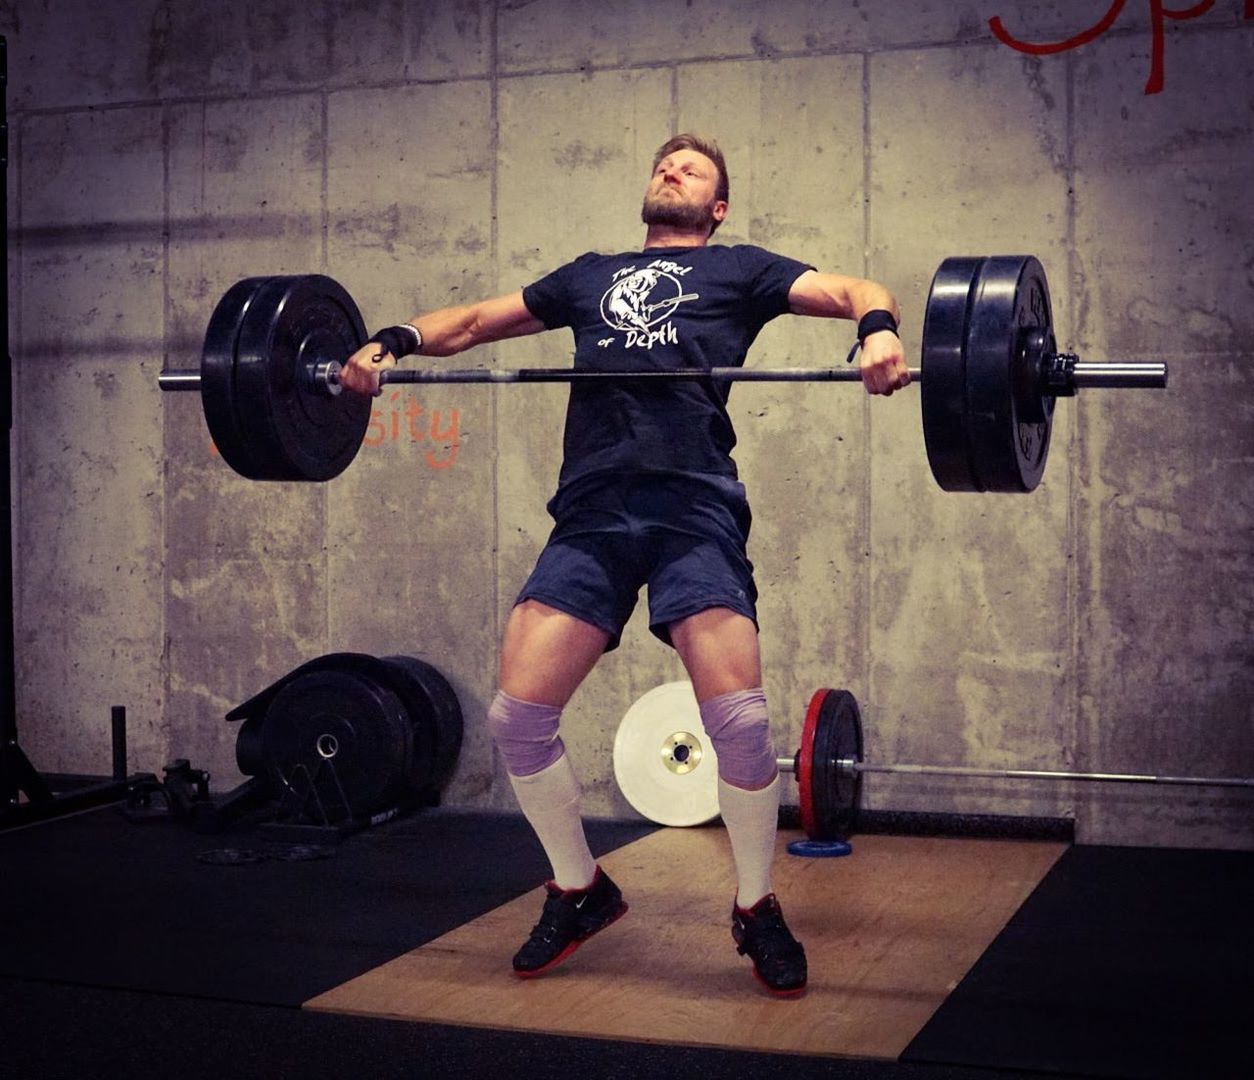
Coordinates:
820	849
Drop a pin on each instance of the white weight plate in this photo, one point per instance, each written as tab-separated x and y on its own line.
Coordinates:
664	763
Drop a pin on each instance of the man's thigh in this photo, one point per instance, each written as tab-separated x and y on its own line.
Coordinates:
547	653
719	648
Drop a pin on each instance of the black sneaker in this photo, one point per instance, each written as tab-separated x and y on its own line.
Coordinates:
779	961
569	918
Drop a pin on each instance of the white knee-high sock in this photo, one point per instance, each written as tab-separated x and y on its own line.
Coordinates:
751	818
550	802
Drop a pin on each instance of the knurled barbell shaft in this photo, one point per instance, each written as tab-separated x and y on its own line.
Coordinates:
848	766
1090	374
557	375
189	379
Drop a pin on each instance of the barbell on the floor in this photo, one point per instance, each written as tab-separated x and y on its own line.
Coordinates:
990	376
667	769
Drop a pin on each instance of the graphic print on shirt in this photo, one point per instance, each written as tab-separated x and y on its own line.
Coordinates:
640	303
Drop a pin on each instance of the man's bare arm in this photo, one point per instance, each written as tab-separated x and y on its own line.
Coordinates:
455	329
835	296
445	332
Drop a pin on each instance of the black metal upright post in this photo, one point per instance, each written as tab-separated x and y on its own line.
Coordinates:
17	775
8	693
7	665
16	772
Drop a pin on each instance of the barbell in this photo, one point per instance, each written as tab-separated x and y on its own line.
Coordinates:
990	376
667	769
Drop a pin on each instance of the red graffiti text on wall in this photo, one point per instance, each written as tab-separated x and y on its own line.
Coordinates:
1159	14
403	419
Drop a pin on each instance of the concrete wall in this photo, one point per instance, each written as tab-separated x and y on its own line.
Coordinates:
425	153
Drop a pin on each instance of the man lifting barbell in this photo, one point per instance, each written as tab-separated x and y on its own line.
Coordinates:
648	493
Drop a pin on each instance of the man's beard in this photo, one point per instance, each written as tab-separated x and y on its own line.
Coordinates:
663	210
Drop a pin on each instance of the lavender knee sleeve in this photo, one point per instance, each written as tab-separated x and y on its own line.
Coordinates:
737	726
525	734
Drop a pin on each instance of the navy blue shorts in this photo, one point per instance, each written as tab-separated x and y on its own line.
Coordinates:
683	538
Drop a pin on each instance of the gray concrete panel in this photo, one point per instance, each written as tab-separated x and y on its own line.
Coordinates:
89	611
1167	556
577	35
444	40
970	640
245	562
1163	217
412	524
70	53
1166	605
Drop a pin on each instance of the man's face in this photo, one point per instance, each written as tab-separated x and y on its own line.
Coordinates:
681	193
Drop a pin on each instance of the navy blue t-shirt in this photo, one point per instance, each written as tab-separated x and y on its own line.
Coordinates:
664	308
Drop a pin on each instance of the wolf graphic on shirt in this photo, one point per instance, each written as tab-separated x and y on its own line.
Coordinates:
641	299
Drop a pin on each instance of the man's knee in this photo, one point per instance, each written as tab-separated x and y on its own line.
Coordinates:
738	727
526	734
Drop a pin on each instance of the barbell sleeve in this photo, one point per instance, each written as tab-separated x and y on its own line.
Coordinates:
1113	374
185	379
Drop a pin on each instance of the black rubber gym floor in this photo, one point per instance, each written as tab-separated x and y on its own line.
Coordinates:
122	952
1134	962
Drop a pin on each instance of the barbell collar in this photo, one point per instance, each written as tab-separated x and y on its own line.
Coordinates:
325	376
